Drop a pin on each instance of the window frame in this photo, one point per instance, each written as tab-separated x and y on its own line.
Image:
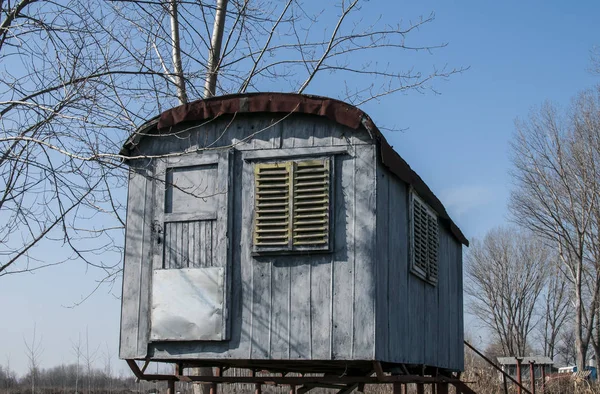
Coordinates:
424	274
290	248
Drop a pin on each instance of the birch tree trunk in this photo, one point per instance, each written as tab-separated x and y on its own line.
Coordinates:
176	53
214	54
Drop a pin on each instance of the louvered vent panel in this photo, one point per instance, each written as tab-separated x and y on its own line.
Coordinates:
272	204
425	241
432	235
420	219
311	203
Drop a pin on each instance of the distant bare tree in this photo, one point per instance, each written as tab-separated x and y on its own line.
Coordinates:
555	309
34	352
566	349
556	164
108	368
77	349
89	358
585	123
505	275
8	378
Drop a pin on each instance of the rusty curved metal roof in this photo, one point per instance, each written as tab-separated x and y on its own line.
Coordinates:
285	103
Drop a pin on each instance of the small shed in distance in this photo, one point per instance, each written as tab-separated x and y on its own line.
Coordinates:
282	231
542	366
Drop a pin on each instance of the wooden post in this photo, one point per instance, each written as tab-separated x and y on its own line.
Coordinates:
505	384
397	388
171	387
257	386
442	388
519	375
420	388
213	386
543	379
292	389
532	376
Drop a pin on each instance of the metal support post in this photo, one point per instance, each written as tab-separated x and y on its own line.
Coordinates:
519	381
532	376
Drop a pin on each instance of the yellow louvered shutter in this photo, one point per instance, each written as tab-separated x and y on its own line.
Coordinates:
272	184
292	204
311	203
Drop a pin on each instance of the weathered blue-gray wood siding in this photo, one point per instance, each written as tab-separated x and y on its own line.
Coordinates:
282	307
359	302
137	270
417	323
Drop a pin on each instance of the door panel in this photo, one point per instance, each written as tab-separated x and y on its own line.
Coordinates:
187	304
190	283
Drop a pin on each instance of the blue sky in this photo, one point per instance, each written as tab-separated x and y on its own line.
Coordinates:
519	53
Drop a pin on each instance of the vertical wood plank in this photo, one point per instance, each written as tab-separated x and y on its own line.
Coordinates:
135	234
321	134
445	308
203	242
416	323
158	210
150	247
212	231
192	245
364	249
167	247
343	263
460	332
199	240
300	309
398	269
320	303
384	337
186	240
261	309
177	246
243	283
280	296
431	325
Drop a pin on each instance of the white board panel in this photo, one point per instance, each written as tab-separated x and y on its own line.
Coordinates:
187	304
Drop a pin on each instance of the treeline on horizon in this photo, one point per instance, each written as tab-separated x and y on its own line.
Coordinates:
71	378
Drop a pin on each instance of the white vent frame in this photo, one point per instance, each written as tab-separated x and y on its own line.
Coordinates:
428	266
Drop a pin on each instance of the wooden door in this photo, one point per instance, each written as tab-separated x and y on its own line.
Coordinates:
190	229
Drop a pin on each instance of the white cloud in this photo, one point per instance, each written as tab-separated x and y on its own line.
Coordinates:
460	200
